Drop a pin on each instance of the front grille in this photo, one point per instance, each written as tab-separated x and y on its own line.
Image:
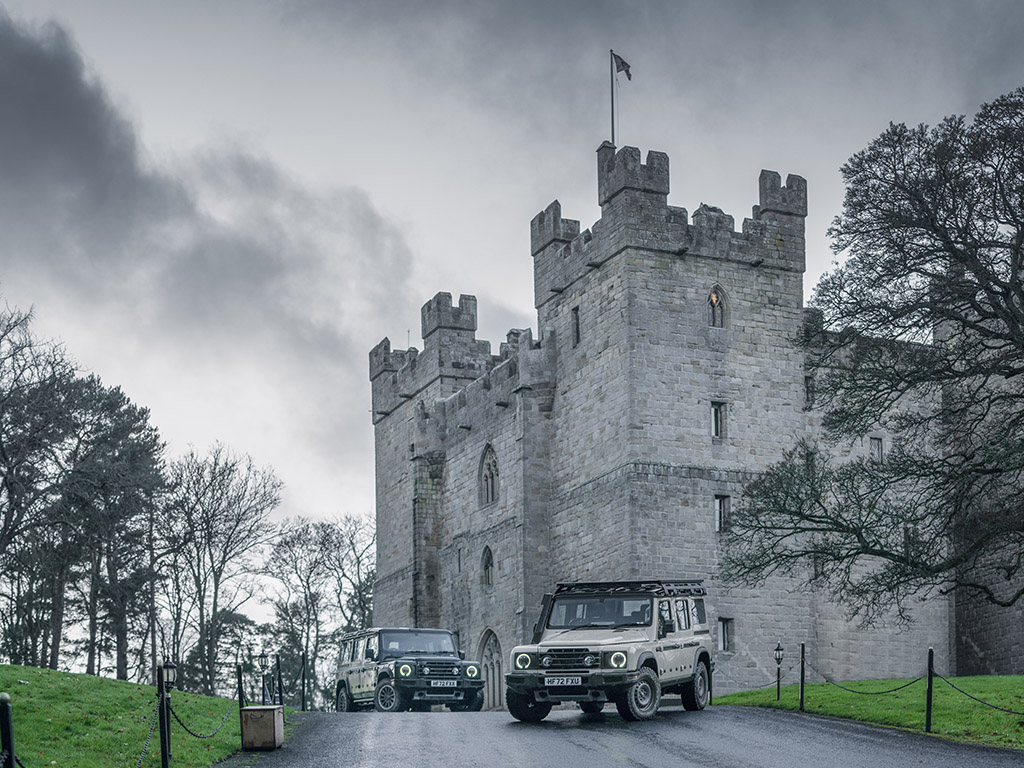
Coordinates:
566	658
440	670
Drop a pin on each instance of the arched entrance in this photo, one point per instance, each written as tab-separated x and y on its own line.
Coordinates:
494	678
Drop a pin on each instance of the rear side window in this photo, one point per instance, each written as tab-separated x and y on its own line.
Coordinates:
346	651
683	612
697	612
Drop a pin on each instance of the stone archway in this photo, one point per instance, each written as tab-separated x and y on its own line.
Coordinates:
494	674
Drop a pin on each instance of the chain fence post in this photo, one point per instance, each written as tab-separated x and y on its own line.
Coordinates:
928	700
165	726
241	698
303	682
802	662
280	683
6	731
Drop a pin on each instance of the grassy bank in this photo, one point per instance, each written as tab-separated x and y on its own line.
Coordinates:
954	715
82	721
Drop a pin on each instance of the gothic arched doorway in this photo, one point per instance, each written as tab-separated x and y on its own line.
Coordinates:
494	680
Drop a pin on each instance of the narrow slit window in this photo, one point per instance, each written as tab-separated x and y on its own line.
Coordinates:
725	634
718	420
576	336
722	509
875	449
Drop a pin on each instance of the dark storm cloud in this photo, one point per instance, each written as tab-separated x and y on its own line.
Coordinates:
220	258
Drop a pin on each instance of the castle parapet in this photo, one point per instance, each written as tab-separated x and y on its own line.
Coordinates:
775	198
384	360
439	313
622	170
549	227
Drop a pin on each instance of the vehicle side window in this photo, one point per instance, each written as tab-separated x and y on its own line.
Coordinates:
357	646
683	612
371	645
664	614
346	651
697	612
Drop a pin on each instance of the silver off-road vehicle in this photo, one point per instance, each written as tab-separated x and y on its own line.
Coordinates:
627	642
396	668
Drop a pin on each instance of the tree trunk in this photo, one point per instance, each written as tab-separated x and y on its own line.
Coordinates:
57	616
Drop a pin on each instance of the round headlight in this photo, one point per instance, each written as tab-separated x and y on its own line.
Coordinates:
405	670
472	670
589	660
523	661
618	659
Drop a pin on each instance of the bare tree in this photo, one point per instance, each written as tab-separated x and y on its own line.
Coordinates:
217	519
351	543
922	335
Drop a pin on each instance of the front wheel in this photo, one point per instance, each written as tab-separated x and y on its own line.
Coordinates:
525	708
387	698
695	692
641	700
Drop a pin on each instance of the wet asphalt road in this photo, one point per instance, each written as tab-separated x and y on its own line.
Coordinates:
718	737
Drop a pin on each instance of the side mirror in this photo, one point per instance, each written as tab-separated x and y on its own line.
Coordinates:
462	655
371	654
670	627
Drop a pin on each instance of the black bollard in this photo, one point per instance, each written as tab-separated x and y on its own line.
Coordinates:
6	731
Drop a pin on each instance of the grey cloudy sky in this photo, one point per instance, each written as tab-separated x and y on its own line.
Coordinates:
222	206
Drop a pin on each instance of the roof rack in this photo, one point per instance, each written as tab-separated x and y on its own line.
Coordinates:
658	588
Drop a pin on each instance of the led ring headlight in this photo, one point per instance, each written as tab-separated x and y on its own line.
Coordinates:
472	670
405	670
523	661
618	659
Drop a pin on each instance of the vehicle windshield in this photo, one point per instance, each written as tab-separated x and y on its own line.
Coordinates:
404	642
600	611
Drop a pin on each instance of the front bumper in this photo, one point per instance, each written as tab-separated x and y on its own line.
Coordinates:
421	689
605	685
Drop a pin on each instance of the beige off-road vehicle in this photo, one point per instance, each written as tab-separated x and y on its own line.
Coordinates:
627	642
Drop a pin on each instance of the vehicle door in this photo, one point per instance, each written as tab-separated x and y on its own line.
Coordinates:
669	650
357	670
368	670
685	628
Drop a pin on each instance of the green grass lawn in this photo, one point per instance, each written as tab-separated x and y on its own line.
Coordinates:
954	715
79	720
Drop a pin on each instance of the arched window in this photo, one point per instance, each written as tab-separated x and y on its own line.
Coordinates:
716	308
488	477
487	567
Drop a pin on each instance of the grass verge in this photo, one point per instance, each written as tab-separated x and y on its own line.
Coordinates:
954	716
84	721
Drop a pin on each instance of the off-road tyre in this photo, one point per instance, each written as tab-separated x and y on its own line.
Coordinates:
343	702
695	692
641	699
387	697
591	707
525	708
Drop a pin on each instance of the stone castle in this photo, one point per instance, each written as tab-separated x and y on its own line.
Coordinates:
666	372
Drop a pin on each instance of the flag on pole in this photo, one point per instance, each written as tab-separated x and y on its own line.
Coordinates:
621	65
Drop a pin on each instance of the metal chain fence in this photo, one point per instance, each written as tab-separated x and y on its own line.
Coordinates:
863	693
980	701
231	706
149	737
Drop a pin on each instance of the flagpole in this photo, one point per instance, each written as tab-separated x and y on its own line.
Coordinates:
611	82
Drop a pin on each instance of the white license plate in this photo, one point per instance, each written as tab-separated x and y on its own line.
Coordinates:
563	681
443	683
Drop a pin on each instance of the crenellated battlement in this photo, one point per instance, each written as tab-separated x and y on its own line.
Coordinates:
439	313
549	227
644	219
622	170
775	198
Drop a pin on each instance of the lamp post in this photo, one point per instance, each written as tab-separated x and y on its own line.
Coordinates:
263	660
778	653
165	679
